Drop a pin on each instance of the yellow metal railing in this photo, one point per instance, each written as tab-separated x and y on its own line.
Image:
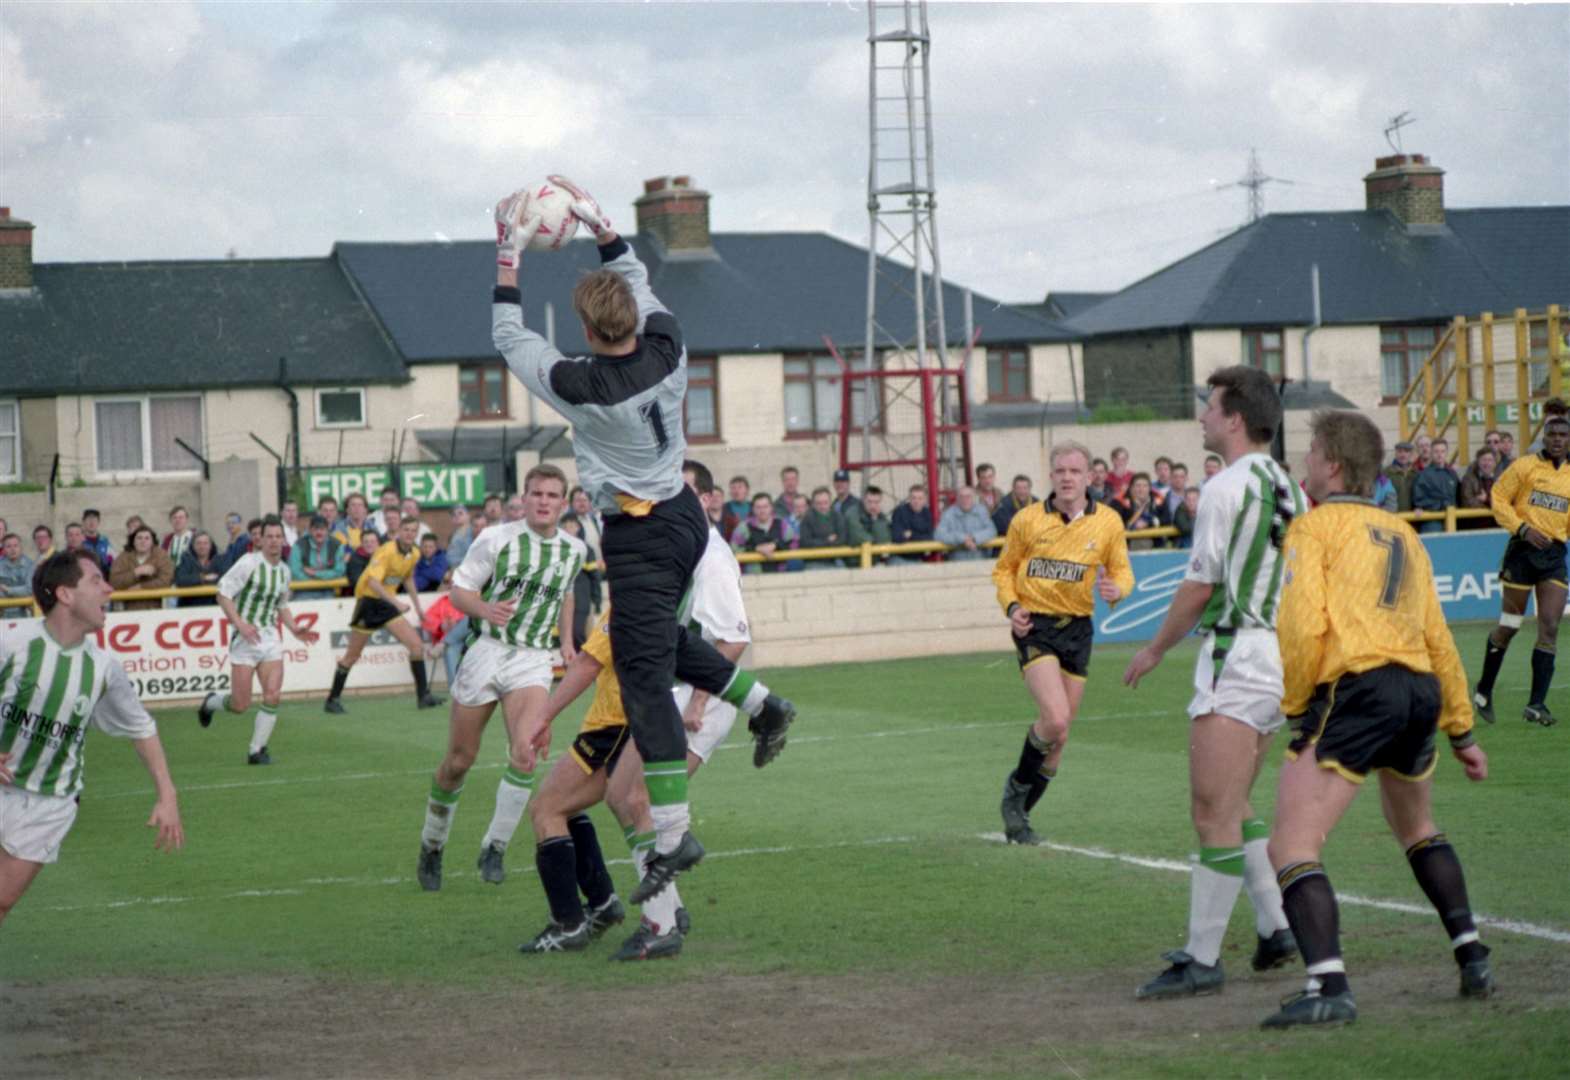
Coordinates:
1447	378
185	590
864	554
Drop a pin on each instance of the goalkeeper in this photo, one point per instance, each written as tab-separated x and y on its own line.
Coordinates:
625	406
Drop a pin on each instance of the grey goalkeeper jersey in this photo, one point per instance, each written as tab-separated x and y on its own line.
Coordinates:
625	410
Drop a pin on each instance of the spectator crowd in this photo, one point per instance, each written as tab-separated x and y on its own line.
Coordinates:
336	542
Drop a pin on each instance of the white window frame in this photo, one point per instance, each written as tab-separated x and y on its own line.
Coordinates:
15	476
147	471
365	419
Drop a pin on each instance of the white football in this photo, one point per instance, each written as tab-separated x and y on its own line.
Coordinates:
554	205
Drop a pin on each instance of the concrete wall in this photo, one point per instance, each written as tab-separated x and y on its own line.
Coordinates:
846	616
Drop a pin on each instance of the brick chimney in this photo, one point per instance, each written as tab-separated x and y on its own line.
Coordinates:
16	251
1409	187
675	213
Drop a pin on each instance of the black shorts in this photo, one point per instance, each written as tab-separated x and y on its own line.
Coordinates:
1380	719
1525	566
372	613
1066	637
600	748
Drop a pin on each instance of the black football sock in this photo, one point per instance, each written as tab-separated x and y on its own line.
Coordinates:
593	879
1030	758
1311	911
340	676
1038	787
557	863
421	686
1438	870
1493	659
1542	675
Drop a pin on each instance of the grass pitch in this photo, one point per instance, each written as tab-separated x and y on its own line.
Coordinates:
855	916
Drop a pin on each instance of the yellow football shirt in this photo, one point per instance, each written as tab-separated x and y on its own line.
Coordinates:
1533	491
389	566
1048	563
1359	594
605	711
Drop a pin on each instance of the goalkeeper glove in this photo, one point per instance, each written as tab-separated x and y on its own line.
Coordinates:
515	224
586	209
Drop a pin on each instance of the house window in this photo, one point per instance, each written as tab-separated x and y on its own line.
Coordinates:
701	413
812	395
10	441
1402	350
340	408
143	435
482	391
1008	374
1263	349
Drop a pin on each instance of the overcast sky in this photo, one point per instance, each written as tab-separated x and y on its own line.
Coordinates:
1078	146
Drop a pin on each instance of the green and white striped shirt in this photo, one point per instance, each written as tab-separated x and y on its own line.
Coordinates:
258	588
1244	511
49	696
513	562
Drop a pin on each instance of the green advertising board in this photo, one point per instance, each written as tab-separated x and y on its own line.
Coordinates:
1504	415
441	484
344	481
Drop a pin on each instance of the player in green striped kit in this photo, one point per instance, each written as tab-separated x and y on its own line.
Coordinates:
515	584
54	683
254	594
1231	590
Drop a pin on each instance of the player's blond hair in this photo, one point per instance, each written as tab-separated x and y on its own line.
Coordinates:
1351	440
604	301
1068	447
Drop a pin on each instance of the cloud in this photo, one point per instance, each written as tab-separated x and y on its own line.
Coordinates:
1078	145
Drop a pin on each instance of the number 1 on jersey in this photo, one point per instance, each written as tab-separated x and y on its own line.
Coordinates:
1395	564
650	411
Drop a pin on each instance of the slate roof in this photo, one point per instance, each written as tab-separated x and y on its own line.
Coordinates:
111	327
758	292
1372	269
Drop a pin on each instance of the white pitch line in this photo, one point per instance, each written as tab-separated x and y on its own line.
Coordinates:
1514	926
744	744
328	882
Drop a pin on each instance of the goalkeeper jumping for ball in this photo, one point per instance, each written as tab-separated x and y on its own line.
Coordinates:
625	403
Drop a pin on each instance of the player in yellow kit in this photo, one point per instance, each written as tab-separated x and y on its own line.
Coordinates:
377	607
1060	555
1371	673
1532	501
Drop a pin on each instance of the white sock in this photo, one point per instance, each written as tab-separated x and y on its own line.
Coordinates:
752	704
660	909
226	705
1210	901
669	824
512	798
440	806
265	721
1263	891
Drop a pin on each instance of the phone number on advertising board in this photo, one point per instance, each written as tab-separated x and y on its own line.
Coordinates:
180	684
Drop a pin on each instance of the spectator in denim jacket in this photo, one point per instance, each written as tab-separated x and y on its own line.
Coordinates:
966	526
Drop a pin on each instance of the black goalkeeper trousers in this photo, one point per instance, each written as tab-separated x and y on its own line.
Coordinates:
649	563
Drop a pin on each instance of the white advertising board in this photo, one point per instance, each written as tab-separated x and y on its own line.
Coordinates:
179	654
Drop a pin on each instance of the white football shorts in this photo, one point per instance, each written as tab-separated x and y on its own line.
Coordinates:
243	654
718	718
32	827
1244	683
491	669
